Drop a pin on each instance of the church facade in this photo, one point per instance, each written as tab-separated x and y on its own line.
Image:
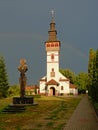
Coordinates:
54	83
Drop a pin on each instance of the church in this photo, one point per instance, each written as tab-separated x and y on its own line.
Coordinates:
54	83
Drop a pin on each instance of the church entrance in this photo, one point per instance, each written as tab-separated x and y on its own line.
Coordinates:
52	91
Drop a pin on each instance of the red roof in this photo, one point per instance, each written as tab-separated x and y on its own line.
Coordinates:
42	79
73	86
52	82
31	87
63	79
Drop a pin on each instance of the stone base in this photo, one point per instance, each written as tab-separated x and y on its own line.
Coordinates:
19	105
24	100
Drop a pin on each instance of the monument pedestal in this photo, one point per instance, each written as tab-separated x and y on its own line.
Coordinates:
19	105
23	100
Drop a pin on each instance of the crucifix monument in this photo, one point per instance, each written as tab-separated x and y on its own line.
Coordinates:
23	99
22	80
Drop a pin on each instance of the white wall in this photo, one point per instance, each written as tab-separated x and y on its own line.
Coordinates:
53	64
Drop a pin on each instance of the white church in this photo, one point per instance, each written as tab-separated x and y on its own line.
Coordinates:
54	83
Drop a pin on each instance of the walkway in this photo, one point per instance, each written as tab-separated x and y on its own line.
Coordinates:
83	118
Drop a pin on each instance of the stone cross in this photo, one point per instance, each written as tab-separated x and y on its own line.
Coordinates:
22	80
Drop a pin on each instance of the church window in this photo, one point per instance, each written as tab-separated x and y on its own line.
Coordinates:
56	44
52	45
52	69
62	87
52	56
52	73
48	45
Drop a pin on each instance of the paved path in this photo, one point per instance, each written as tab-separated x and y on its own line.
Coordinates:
83	118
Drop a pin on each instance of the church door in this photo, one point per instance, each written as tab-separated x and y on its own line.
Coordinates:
52	91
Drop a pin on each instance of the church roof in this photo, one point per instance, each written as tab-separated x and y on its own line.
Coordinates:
31	87
63	79
52	82
73	86
43	80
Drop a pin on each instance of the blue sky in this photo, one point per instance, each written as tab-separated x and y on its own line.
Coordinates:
24	26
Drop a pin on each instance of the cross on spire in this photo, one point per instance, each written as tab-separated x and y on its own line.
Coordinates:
52	13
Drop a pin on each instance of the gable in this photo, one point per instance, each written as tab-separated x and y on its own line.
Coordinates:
52	82
62	77
43	79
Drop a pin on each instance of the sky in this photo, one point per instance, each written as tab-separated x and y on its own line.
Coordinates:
24	26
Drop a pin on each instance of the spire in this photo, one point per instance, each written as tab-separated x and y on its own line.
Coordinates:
52	16
52	32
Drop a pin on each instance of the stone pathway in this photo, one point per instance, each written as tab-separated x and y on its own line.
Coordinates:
83	118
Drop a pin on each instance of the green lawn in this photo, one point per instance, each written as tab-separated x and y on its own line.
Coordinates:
51	113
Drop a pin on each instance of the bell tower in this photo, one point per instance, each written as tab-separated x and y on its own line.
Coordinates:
54	83
52	46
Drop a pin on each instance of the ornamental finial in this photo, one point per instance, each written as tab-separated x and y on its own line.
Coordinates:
52	13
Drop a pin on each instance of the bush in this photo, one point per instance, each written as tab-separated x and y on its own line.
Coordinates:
62	94
70	94
96	105
13	90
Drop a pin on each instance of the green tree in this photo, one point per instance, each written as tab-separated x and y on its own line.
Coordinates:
93	75
82	82
95	79
69	74
91	71
4	85
97	75
79	80
14	90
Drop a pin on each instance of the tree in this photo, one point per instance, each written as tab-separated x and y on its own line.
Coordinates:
95	79
79	80
93	75
90	71
82	82
3	79
69	74
97	75
14	90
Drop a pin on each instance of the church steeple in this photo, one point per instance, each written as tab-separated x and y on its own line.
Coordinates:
52	44
52	32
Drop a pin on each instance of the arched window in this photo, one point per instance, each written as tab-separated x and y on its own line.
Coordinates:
56	44
52	57
52	69
48	45
62	87
52	73
52	45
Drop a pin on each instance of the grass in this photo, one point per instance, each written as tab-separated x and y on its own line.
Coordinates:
51	113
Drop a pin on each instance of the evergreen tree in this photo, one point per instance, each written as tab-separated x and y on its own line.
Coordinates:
3	79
